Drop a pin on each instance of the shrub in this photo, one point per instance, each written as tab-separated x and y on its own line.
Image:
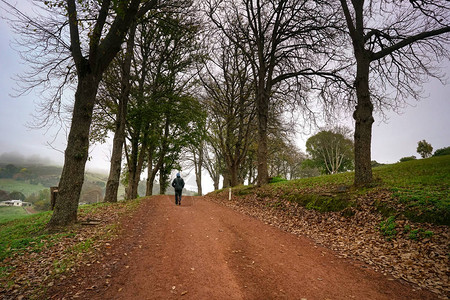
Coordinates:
374	164
407	158
442	151
387	228
418	234
277	179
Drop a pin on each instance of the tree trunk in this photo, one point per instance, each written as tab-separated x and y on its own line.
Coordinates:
262	107
198	170
149	185
162	180
216	181
113	182
234	174
152	174
76	154
112	185
132	169
363	124
140	164
226	178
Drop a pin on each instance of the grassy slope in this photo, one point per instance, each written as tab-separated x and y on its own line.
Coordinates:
419	189
26	244
11	213
25	188
422	187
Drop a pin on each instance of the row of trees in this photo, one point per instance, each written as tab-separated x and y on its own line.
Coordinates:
166	78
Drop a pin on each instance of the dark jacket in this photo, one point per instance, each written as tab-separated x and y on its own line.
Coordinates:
178	184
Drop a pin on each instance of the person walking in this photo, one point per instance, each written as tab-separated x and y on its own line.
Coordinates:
178	184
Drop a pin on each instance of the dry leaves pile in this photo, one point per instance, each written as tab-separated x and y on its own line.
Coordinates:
422	262
35	272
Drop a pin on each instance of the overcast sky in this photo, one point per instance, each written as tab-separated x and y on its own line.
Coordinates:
428	119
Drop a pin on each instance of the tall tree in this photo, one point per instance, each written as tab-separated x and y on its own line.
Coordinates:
194	156
286	160
284	41
81	47
213	162
167	48
229	98
112	184
331	150
394	45
110	25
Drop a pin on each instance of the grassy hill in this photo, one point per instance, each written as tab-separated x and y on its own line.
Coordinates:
417	189
11	213
25	187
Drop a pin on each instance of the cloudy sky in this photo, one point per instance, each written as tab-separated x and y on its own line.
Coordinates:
428	119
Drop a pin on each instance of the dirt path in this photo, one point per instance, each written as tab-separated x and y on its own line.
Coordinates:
201	250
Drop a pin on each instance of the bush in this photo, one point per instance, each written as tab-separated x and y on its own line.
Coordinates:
4	195
277	179
15	195
387	228
374	164
442	151
407	158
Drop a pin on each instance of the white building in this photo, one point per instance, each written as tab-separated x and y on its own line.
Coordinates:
15	203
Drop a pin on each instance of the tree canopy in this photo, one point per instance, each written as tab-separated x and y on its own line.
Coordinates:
331	150
424	149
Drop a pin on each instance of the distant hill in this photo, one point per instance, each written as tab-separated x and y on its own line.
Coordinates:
29	178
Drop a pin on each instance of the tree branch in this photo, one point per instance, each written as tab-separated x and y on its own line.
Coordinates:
408	41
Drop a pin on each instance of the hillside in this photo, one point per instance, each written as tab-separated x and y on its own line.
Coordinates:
34	182
28	179
418	190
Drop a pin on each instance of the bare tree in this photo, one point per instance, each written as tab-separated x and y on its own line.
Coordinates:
286	160
283	40
112	184
92	35
229	98
395	45
213	164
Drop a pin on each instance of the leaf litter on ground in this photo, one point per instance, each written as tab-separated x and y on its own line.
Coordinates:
28	274
423	262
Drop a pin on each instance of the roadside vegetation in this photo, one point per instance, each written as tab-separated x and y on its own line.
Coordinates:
418	189
364	223
32	258
8	213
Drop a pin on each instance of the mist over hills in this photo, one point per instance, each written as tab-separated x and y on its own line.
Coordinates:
17	158
25	173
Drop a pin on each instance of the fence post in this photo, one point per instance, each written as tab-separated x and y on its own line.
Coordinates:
53	194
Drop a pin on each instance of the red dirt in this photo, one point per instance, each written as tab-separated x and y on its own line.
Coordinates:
202	250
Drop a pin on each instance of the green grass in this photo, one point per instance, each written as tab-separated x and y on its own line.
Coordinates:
8	213
27	234
11	185
387	228
421	186
420	190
